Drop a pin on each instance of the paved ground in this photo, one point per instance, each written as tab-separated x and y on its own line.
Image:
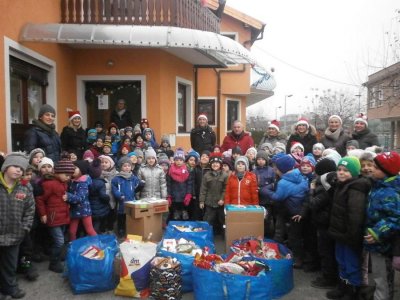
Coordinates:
52	286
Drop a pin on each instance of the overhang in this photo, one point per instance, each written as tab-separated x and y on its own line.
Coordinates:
200	48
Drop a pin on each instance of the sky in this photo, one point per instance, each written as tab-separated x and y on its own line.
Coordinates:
306	41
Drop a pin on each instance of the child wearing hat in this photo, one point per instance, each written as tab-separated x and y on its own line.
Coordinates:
383	221
124	187
108	172
53	209
17	208
164	145
34	158
115	138
242	188
317	150
212	193
148	137
192	159
346	225
179	187
78	198
251	156
297	152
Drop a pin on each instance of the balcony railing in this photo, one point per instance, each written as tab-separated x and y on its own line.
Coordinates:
177	13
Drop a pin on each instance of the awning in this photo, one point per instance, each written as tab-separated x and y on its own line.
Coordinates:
201	48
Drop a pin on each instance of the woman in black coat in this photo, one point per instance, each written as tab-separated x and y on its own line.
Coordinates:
305	134
73	137
202	137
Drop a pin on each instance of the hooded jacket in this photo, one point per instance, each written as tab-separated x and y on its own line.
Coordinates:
242	192
124	189
213	188
265	179
98	197
78	197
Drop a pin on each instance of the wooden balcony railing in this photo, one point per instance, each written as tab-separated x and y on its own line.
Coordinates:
177	13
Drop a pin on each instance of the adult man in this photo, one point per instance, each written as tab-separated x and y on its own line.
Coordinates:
237	137
202	137
121	116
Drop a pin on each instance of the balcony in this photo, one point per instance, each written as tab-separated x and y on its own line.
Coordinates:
176	13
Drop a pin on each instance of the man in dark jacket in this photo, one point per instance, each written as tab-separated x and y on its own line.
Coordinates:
121	116
362	134
202	137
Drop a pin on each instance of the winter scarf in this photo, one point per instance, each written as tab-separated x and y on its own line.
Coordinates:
334	136
179	174
125	175
48	128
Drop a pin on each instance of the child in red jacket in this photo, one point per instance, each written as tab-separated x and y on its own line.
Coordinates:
242	187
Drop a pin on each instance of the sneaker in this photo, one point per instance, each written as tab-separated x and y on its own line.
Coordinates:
185	215
17	294
56	267
323	283
23	265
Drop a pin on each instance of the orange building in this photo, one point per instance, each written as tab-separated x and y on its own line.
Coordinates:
168	59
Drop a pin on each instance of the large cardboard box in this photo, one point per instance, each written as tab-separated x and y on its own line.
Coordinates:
144	217
241	221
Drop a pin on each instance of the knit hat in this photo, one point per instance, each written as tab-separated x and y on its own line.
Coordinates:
73	114
267	147
353	143
179	154
107	144
137	128
163	159
88	155
244	160
95	168
335	117
83	166
325	165
308	160
375	149
144	121
165	138
146	130
285	163
252	149
98	124
388	162
45	108
139	152
228	161
34	152
64	166
262	154
352	164
295	145
274	124
236	150
361	118
123	160
45	161
150	153
128	147
202	115
128	128
276	157
318	146
17	159
132	153
332	154
109	159
356	153
216	158
216	146
205	152
112	125
91	136
367	156
302	121
279	147
194	154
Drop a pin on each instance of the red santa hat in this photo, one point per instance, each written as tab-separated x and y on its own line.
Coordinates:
294	145
274	124
202	115
302	121
361	118
73	114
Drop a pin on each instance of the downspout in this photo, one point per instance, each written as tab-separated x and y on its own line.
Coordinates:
196	90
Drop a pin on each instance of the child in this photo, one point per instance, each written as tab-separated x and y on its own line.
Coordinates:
17	208
139	142
346	226
307	166
367	163
192	159
124	187
34	158
297	152
153	176
53	209
100	132
383	221
91	137
98	197
165	145
88	156
128	132
149	139
352	145
317	150
196	214
108	172
241	188
115	138
212	193
164	162
125	149
135	166
292	190
236	152
140	156
279	148
97	148
78	198
217	149
227	166
179	187
251	156
265	179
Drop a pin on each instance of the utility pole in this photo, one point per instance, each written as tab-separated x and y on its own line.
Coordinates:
286	96
359	102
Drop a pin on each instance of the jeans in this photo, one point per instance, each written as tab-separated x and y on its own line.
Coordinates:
57	234
8	268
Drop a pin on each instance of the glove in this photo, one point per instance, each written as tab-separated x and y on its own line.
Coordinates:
396	263
169	199
187	199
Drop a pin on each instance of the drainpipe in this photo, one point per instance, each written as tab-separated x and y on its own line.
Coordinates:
196	90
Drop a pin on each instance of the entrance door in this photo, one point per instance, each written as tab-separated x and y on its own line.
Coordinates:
130	91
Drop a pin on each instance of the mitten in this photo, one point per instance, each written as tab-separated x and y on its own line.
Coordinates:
187	199
396	263
169	199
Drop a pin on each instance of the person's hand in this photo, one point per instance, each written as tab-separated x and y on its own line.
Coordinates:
201	205
221	202
169	199
65	197
396	263
188	198
296	218
369	239
43	219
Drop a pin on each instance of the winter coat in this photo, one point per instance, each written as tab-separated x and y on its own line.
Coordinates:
383	214
51	203
366	138
265	179
320	204
280	138
124	189
177	188
98	198
45	137
244	141
108	176
16	213
202	138
122	121
307	140
155	185
242	192
213	188
198	173
339	145
73	140
396	245
292	189
347	220
78	197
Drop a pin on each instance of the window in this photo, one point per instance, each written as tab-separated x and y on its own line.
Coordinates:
207	107
396	88
184	106
233	107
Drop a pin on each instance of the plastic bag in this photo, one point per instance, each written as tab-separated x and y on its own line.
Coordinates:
204	230
166	278
91	275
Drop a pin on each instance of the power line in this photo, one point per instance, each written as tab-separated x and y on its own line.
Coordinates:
305	71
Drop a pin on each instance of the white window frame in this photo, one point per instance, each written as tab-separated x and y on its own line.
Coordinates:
189	105
226	112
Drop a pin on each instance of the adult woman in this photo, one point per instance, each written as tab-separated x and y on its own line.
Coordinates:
73	137
335	137
273	135
305	134
43	134
202	137
362	134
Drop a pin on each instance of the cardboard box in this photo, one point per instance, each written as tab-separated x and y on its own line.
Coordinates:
241	221
144	217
